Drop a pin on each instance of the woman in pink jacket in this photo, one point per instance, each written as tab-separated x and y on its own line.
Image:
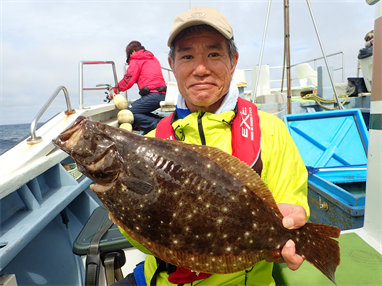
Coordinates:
145	70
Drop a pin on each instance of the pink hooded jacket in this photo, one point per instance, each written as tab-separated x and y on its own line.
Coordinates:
144	69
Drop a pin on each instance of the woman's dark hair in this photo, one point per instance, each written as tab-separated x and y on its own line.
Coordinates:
133	46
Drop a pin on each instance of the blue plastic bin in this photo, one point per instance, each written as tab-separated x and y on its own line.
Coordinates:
333	146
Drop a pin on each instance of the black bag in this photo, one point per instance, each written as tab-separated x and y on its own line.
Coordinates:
365	52
144	91
161	89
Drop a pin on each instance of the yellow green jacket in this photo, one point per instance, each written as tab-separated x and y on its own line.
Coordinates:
283	171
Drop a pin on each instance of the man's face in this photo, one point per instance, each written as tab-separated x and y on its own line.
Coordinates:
203	69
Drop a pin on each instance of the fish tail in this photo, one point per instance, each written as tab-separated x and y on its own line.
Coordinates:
314	243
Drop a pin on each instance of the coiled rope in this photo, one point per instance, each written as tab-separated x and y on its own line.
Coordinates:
320	101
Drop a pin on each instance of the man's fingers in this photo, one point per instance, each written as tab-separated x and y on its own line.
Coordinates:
294	216
288	222
292	259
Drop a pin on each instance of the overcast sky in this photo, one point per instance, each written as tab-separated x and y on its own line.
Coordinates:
42	42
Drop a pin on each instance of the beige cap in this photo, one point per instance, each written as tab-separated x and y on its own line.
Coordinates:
201	15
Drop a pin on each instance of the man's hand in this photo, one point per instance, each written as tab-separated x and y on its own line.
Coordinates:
294	217
111	94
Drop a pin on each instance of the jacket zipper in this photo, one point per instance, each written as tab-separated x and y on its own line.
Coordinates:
201	131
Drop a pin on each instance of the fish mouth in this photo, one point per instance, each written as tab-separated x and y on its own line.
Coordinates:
70	137
98	188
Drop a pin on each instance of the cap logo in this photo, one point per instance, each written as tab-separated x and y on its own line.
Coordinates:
197	15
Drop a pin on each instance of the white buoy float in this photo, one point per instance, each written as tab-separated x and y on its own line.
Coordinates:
125	116
127	126
120	101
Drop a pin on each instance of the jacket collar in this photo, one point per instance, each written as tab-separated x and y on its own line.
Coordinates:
229	102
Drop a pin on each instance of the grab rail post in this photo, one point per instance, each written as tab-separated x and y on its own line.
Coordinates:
81	79
124	72
34	138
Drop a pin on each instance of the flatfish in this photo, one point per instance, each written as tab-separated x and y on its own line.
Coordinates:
192	206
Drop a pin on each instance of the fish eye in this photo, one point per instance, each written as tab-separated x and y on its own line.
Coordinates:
86	135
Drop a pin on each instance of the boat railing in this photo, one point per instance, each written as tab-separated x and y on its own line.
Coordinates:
315	61
81	80
36	139
169	71
342	67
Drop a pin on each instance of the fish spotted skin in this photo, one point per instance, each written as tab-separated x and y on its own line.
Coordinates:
192	206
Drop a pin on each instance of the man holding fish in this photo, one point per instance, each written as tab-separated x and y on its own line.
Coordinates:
190	193
203	57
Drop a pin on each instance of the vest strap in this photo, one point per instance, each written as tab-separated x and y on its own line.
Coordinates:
246	133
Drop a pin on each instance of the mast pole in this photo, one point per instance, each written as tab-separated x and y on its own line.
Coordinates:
287	52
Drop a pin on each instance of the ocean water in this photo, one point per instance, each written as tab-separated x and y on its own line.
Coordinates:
12	134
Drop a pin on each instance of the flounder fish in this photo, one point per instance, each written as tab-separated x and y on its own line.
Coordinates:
192	206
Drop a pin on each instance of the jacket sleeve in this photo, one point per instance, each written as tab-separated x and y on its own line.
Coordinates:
131	77
134	243
283	169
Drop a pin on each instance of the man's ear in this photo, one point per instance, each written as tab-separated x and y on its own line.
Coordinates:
171	64
235	59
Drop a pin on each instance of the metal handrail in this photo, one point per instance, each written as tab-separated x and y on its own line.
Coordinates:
316	59
169	72
35	139
124	72
81	84
315	66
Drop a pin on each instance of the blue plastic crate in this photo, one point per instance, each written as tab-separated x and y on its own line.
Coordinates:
333	146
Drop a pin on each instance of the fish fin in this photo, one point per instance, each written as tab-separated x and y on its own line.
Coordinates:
197	263
318	248
136	185
241	171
